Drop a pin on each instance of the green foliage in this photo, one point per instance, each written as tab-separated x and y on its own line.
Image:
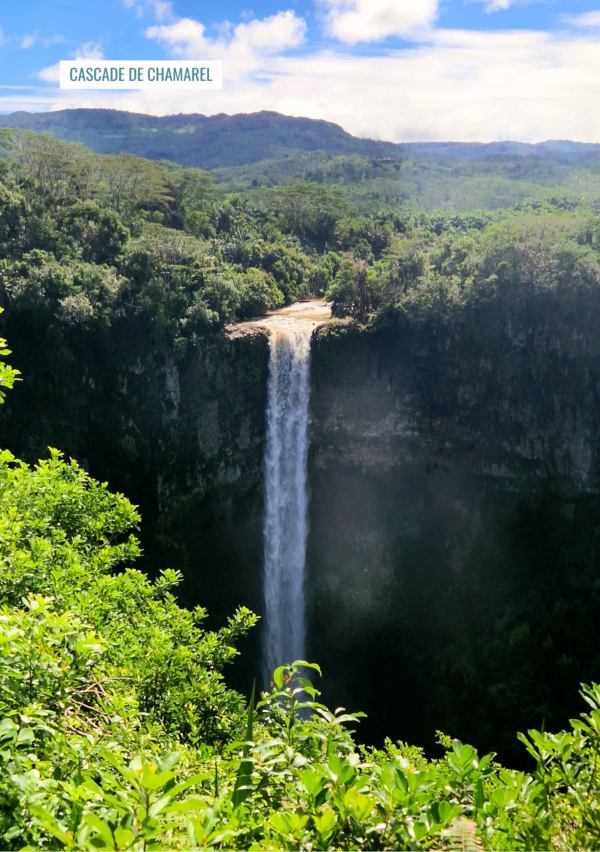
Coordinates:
62	536
190	263
8	375
13	215
417	182
259	293
309	212
97	233
353	289
88	240
430	276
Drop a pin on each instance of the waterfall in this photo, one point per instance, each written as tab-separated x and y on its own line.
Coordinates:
286	523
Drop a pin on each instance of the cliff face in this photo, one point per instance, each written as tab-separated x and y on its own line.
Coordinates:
454	577
453	555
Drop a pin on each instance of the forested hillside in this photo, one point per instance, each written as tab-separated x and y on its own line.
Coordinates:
426	184
118	728
265	150
200	141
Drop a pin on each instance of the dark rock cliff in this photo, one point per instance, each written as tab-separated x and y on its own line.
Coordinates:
453	556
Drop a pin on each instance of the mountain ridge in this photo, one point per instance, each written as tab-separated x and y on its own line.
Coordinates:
206	142
221	141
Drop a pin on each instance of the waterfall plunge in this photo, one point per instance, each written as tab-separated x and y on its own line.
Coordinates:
286	524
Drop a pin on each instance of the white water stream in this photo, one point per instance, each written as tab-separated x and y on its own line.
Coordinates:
286	503
286	498
286	523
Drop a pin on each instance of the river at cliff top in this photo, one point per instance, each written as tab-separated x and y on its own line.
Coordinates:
315	312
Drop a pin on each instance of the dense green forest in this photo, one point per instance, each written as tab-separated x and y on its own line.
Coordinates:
433	183
118	730
87	236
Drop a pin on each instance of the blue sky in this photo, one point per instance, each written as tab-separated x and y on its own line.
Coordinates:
391	69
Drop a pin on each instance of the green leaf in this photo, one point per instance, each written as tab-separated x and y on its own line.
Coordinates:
192	804
479	796
244	777
101	828
278	676
47	821
25	737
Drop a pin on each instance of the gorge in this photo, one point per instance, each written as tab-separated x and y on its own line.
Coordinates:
452	474
439	546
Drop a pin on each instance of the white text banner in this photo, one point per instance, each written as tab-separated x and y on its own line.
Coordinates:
104	74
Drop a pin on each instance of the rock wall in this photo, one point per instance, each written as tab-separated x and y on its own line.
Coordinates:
454	574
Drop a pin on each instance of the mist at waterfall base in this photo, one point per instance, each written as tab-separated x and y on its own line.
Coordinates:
286	499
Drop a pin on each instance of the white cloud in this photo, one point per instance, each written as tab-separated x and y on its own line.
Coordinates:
499	5
241	47
139	10
33	38
588	19
57	39
163	11
51	74
462	86
279	32
89	50
2	37
352	21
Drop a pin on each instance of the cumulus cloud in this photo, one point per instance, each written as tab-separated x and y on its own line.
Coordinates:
163	11
51	74
242	47
352	21
588	19
89	50
499	5
28	41
462	85
129	4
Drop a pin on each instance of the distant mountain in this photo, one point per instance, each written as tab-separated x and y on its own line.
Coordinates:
207	142
473	150
236	141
